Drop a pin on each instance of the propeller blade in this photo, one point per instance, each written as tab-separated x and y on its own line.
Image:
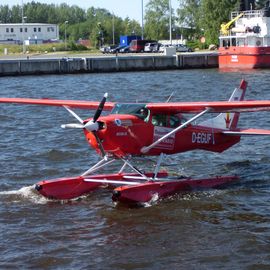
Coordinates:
100	108
74	114
99	144
80	126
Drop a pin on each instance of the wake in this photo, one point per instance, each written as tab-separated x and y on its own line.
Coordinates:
25	193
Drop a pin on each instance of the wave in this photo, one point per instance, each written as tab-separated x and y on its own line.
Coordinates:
29	193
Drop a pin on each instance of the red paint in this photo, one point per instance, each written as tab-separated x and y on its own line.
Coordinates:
244	57
145	192
73	187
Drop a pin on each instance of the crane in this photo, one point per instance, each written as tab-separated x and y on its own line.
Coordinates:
224	28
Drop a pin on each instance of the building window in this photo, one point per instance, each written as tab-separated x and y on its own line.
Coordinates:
21	30
39	29
11	30
35	29
50	29
25	29
7	30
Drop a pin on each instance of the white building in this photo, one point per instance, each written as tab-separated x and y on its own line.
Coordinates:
29	32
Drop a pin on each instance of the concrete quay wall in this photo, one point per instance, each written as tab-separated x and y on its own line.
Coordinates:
105	64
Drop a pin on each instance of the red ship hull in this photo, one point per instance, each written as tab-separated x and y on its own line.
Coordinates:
244	57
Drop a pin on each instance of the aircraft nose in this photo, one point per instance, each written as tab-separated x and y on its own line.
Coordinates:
92	126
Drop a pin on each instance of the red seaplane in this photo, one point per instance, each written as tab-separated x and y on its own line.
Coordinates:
149	129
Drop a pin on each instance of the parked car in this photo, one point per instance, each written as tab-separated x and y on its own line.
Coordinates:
156	47
162	47
183	48
178	47
107	49
148	47
125	49
117	49
152	47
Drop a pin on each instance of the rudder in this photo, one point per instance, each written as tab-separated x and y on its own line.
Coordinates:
228	120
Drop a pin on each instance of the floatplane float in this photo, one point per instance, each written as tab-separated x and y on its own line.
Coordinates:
148	129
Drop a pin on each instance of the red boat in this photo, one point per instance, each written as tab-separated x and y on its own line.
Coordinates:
247	44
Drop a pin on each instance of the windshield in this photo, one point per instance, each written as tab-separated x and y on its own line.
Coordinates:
136	109
128	108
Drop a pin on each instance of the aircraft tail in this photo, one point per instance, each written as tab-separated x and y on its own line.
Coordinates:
228	120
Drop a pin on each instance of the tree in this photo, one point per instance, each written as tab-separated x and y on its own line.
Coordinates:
5	14
213	14
204	17
189	17
157	19
16	13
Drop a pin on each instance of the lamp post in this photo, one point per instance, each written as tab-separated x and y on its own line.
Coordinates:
66	22
23	30
23	20
142	20
170	8
113	28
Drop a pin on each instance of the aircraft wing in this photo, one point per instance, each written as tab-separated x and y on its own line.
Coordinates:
80	104
248	132
214	106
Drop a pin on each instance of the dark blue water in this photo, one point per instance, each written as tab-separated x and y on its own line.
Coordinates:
215	229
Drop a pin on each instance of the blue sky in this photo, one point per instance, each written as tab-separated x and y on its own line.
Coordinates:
122	8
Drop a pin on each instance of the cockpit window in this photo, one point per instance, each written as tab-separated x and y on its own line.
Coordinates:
137	109
159	120
174	121
126	108
164	120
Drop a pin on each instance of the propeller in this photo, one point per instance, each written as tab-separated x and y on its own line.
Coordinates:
92	125
100	108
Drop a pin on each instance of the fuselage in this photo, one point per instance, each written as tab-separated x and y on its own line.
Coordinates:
126	134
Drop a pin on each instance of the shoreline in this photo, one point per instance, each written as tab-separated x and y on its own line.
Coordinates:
38	64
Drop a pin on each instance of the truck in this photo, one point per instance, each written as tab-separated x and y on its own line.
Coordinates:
125	40
138	45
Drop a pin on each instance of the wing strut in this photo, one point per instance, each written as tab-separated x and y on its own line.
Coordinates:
145	149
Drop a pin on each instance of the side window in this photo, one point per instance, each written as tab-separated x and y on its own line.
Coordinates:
159	120
164	120
174	121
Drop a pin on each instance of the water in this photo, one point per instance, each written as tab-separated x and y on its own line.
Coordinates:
225	229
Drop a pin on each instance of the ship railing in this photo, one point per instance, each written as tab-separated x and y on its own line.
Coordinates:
248	13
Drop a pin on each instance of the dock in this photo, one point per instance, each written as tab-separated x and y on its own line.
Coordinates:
106	63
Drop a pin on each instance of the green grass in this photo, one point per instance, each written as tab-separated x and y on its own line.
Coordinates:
46	48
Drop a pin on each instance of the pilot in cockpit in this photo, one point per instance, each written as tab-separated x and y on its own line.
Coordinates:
144	113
